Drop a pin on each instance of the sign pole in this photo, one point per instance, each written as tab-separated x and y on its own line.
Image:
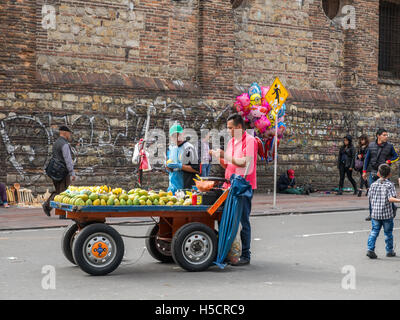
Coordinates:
276	96
275	158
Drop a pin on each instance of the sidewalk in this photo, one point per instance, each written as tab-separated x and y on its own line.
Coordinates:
19	218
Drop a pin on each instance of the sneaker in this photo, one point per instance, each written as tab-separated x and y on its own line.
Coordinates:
391	254
46	210
359	193
368	218
371	254
241	262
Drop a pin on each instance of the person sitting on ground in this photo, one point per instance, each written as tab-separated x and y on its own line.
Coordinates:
287	184
3	196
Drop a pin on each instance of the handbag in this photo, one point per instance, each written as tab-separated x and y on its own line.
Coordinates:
56	170
358	164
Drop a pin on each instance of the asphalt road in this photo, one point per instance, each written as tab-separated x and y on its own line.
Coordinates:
314	256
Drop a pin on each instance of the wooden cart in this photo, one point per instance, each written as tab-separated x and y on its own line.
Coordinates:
185	235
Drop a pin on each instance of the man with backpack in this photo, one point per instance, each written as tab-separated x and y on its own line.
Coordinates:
61	167
379	152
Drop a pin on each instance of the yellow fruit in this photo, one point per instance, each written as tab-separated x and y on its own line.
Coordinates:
103	202
142	202
163	194
96	202
116	202
149	202
164	199
170	203
162	203
84	197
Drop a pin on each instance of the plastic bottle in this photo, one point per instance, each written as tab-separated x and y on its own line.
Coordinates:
194	198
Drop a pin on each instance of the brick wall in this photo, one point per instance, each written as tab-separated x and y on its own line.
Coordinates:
99	66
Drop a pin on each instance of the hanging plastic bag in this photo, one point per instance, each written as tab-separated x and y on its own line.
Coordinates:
136	153
236	249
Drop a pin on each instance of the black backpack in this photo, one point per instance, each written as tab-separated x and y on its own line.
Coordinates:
56	170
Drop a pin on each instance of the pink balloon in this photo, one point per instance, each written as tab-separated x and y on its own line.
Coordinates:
264	91
266	105
262	124
238	106
257	111
244	99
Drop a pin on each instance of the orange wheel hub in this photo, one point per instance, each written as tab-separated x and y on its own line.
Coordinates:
99	249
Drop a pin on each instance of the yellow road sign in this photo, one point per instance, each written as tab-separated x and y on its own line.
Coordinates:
277	95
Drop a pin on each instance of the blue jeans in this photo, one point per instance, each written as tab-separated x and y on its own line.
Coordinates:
205	169
245	234
388	230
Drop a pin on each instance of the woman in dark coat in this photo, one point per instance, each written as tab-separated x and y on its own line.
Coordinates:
346	163
363	143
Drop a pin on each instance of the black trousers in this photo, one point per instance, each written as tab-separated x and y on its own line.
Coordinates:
345	171
59	186
363	182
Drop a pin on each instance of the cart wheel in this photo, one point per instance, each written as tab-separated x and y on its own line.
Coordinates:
98	249
194	246
158	249
67	241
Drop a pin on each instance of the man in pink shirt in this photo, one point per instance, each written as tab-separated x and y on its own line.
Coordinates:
240	158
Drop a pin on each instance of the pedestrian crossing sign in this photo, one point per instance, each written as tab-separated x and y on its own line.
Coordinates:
277	95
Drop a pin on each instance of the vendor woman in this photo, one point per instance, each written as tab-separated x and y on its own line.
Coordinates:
182	163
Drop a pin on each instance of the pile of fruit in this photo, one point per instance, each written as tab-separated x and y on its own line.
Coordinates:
106	196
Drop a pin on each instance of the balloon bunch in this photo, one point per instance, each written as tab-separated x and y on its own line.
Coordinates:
255	110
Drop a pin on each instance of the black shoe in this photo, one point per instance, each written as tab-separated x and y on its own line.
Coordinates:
366	194
339	193
241	262
391	254
359	193
368	218
371	254
46	210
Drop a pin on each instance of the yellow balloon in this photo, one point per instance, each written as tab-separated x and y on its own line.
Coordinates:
255	99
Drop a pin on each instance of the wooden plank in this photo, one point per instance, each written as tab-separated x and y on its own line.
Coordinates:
218	203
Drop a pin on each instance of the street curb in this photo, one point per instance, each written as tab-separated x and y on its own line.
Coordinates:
263	214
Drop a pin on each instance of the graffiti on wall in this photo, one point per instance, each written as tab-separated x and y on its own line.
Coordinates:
101	144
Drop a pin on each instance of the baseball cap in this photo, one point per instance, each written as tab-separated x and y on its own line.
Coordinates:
176	128
64	128
290	173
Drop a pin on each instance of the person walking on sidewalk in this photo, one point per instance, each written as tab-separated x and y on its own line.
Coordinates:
359	161
241	154
379	151
346	163
3	196
382	195
63	154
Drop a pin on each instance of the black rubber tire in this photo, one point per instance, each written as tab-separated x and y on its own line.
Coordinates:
85	235
153	248
182	237
67	241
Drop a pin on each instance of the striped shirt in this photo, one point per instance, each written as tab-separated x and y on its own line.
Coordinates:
379	194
